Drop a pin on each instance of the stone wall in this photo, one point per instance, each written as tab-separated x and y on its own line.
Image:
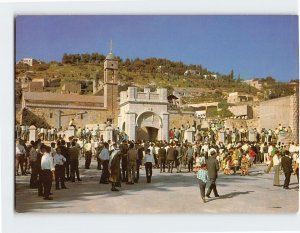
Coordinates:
241	110
178	119
90	117
274	112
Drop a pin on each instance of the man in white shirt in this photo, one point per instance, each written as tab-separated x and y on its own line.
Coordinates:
20	157
149	162
47	172
59	161
88	154
104	157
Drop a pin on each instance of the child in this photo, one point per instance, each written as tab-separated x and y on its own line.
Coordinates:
202	175
198	163
244	165
227	165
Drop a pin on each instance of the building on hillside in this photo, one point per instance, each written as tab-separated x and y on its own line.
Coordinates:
71	87
57	109
254	83
35	87
236	97
28	61
44	81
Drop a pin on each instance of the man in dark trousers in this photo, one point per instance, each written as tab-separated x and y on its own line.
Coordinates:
212	165
104	156
47	172
286	163
170	158
162	153
65	153
123	150
40	153
74	156
140	155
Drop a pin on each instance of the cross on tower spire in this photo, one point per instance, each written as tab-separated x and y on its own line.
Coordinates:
110	46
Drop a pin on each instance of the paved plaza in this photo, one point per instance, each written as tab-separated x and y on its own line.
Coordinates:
168	193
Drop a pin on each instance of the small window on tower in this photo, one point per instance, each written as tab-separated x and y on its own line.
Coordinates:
112	64
51	115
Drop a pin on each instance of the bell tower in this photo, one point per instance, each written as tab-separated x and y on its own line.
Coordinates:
110	85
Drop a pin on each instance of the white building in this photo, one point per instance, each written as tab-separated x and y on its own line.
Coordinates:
144	115
27	61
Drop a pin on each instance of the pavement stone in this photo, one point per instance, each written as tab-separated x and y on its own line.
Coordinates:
167	193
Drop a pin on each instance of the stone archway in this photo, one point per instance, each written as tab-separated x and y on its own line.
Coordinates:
148	126
144	112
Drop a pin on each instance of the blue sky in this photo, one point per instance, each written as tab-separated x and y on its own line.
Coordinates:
253	46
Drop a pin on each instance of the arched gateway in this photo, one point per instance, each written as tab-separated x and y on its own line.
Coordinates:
144	115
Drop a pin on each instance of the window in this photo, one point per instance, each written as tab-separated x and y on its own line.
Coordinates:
51	115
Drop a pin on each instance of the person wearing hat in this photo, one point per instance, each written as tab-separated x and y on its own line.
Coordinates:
212	168
202	176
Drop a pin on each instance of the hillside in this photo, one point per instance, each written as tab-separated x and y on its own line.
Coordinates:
153	72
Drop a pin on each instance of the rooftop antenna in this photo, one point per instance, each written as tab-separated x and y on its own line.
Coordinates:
110	46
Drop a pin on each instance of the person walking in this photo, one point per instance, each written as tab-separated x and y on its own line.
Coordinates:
149	162
202	176
286	164
104	157
212	168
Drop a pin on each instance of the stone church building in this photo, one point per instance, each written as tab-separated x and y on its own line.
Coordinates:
57	109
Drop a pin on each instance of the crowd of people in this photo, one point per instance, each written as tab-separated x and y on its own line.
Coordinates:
121	161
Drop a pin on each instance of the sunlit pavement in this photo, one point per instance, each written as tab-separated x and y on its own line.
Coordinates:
167	193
